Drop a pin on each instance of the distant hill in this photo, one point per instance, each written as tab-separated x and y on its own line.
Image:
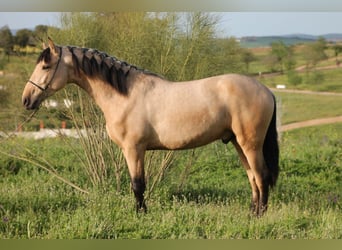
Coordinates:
265	41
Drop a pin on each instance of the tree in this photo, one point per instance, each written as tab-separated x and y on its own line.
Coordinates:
41	31
337	49
6	40
247	57
22	37
315	52
282	55
227	57
177	45
196	53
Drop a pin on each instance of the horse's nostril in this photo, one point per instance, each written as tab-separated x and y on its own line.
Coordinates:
26	101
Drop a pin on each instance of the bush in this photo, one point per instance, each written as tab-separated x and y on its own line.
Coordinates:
294	78
315	77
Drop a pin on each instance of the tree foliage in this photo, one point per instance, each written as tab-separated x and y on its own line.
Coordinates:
337	49
180	46
247	58
282	56
6	40
315	52
22	37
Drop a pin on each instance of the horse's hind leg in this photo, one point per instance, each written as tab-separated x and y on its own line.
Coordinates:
260	173
251	178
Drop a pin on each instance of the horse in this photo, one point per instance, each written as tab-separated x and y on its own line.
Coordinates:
144	111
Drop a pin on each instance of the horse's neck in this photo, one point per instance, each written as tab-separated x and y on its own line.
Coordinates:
103	94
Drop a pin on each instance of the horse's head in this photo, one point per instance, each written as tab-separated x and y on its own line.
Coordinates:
49	75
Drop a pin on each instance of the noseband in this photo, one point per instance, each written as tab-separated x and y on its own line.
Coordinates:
53	76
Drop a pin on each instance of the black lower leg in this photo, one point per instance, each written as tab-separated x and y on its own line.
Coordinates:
138	186
263	200
254	207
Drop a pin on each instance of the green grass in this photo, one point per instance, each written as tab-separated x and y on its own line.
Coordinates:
331	81
300	107
213	202
331	78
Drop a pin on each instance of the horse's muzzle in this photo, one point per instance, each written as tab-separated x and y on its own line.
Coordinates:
29	104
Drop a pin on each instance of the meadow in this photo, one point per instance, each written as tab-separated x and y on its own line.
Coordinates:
212	202
45	192
295	107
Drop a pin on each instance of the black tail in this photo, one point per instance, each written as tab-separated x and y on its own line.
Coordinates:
271	148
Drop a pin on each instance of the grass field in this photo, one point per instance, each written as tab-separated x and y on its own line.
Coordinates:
205	193
331	81
213	202
294	107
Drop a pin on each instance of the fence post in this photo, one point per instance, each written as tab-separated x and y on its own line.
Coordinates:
279	116
20	128
41	125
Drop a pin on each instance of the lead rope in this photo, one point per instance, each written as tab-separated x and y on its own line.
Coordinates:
20	125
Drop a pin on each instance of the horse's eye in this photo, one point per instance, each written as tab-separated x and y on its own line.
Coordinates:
46	67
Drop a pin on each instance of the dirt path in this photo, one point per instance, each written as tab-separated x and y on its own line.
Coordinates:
309	123
336	63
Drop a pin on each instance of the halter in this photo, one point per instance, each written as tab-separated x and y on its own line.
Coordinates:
43	89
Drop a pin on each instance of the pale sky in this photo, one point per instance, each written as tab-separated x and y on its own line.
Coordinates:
231	23
281	23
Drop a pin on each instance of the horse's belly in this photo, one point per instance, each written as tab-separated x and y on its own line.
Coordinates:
190	136
189	119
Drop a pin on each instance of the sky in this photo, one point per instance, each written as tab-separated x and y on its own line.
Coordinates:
235	24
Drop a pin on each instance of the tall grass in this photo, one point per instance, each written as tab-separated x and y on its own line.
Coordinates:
96	148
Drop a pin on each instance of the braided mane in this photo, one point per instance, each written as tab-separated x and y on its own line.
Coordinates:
99	64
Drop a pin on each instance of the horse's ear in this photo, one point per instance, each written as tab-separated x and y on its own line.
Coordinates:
52	46
41	41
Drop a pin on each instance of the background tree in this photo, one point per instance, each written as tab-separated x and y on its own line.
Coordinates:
6	40
41	31
228	57
247	57
177	45
337	50
283	55
22	37
315	52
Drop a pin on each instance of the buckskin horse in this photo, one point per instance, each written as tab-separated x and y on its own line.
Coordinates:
144	111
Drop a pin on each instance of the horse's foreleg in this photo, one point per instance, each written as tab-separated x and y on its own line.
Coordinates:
135	161
138	186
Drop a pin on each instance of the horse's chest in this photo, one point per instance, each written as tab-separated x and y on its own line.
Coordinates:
126	132
116	134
